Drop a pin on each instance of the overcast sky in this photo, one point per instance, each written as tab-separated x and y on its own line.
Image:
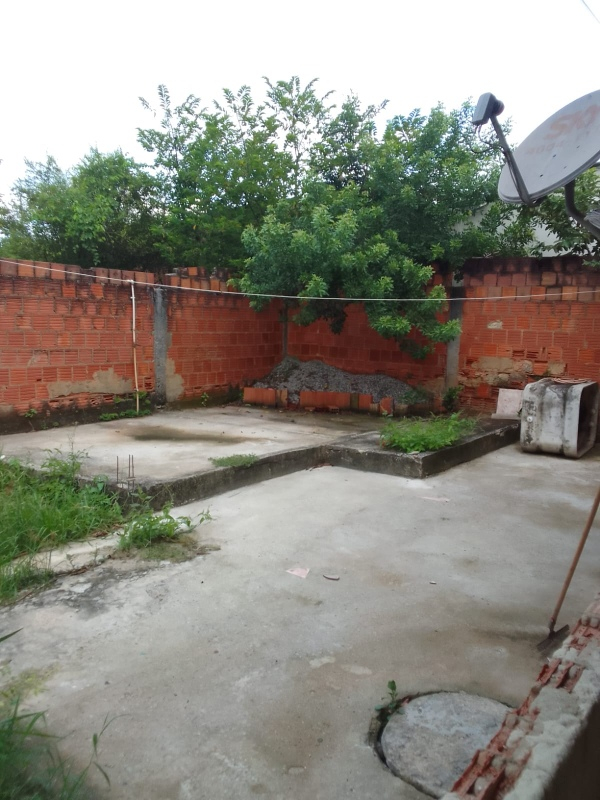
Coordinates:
72	72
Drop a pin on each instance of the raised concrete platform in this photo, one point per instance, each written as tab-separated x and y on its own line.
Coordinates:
172	450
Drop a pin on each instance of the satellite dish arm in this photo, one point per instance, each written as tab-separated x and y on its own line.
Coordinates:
576	214
512	164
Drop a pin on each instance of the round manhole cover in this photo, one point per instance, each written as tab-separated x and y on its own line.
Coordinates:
431	743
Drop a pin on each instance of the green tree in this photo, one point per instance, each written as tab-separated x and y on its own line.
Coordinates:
333	246
345	153
97	215
433	178
33	225
216	173
301	116
111	213
373	214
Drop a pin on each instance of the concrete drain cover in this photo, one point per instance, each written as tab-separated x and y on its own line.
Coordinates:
433	741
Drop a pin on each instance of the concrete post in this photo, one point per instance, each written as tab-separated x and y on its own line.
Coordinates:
453	347
161	344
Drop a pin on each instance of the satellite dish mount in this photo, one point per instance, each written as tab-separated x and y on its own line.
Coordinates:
553	156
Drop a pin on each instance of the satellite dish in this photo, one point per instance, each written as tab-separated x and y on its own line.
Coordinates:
554	155
560	149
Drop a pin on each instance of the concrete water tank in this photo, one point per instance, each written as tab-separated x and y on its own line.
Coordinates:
559	417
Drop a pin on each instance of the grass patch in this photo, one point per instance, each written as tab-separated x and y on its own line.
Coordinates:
16	578
181	550
31	767
415	435
47	509
239	460
44	510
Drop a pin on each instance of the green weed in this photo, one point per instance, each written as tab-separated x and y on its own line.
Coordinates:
450	398
392	691
131	413
392	705
31	768
414	397
147	528
15	578
422	435
240	460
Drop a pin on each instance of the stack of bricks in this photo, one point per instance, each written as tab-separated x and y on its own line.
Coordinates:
524	319
322	401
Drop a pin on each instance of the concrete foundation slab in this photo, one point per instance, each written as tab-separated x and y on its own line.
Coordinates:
171	453
230	677
177	444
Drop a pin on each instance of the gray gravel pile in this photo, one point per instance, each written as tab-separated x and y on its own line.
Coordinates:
315	376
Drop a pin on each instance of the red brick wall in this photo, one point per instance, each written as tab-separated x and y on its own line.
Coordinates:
359	349
551	328
65	334
66	341
218	341
65	338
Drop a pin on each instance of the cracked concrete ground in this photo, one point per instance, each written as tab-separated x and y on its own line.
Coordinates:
230	677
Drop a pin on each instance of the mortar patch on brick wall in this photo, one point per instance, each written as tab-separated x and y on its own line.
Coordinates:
494	363
102	382
175	385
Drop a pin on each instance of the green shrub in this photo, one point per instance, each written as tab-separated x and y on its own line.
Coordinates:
450	398
421	435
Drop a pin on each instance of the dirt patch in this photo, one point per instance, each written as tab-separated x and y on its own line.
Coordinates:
315	376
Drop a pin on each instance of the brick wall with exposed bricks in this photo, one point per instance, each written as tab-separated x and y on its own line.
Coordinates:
65	337
524	319
359	349
65	334
217	340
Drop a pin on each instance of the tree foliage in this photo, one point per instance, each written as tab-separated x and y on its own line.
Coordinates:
297	196
97	215
565	235
333	246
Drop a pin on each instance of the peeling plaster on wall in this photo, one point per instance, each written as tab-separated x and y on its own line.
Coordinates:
103	382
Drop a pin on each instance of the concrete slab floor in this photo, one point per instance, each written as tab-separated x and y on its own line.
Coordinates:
231	678
171	444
